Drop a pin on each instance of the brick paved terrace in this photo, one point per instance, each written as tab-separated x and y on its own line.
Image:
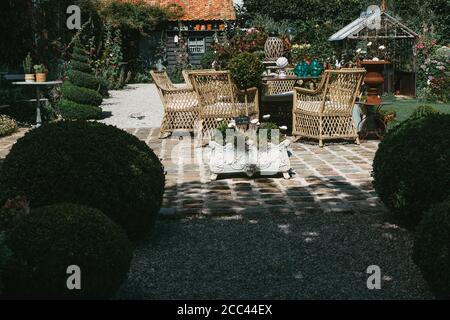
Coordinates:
265	237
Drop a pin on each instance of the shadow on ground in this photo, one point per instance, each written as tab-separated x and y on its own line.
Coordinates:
287	247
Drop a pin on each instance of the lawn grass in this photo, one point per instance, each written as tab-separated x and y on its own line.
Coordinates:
405	106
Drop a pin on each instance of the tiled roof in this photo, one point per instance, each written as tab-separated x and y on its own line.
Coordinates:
200	9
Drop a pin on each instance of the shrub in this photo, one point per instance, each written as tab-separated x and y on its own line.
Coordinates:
12	212
49	240
82	79
207	59
75	65
72	111
246	70
7	126
81	95
423	111
411	166
432	248
81	88
90	164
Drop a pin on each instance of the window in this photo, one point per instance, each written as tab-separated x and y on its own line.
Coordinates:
196	45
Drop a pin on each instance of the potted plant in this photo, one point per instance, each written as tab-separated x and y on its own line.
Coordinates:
28	69
41	73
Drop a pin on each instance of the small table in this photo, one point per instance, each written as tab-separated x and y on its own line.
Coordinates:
371	122
38	85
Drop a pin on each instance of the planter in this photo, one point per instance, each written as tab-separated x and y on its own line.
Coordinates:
41	77
374	78
30	77
249	160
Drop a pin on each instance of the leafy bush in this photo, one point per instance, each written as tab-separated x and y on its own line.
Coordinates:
81	95
432	248
71	110
82	79
49	240
246	70
12	212
423	111
90	164
7	126
411	166
75	65
207	59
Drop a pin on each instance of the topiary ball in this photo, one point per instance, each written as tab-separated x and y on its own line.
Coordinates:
411	167
432	248
50	239
90	164
246	70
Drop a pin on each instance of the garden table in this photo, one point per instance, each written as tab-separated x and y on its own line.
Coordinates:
38	86
371	120
279	106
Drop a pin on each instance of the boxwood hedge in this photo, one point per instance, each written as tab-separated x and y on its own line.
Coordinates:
432	248
49	240
411	166
87	163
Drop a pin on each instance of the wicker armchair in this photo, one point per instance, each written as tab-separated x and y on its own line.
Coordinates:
220	100
326	113
186	73
180	104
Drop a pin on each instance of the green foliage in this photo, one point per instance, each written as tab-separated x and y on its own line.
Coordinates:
108	66
81	95
432	248
82	79
251	41
40	68
7	126
71	110
79	66
423	111
411	166
90	164
138	16
52	238
5	255
28	64
207	59
12	212
246	70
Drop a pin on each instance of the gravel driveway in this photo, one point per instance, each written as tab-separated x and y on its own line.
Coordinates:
273	256
136	106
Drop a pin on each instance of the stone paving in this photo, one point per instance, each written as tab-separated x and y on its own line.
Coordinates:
336	178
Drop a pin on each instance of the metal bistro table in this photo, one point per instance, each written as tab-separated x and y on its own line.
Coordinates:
38	86
278	96
371	120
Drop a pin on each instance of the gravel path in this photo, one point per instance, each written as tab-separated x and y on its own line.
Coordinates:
273	256
136	106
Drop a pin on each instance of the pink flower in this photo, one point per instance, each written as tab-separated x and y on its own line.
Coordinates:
420	46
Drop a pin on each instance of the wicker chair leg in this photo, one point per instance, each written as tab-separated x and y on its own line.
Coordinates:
358	142
164	131
321	143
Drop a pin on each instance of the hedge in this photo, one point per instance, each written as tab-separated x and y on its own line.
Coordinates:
81	95
49	240
90	164
74	111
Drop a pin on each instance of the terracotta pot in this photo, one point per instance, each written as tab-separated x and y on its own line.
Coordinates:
209	27
29	78
41	77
